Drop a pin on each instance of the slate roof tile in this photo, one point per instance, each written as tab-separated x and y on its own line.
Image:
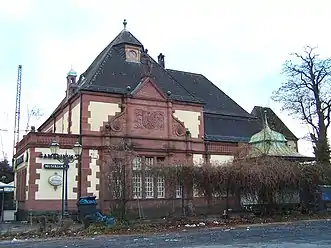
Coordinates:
216	100
229	128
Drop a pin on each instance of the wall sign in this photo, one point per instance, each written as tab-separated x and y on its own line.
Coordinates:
54	156
54	166
19	160
55	180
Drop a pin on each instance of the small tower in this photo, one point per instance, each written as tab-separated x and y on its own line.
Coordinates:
71	82
72	75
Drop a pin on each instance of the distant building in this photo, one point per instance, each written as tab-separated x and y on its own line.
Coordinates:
172	116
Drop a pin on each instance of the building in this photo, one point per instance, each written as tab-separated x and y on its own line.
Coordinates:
170	115
270	143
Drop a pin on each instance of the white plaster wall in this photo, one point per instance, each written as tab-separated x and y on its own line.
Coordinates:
198	159
61	125
45	190
94	155
99	112
75	119
190	119
58	125
218	160
65	123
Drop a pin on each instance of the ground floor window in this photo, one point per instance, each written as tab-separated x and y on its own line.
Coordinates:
137	185
149	186
179	192
160	187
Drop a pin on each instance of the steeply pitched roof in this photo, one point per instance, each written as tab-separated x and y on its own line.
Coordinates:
125	37
216	100
110	72
274	121
224	119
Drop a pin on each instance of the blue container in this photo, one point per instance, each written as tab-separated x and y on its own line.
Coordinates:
87	206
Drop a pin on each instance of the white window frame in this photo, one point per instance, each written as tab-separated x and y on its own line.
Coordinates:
136	163
179	194
137	185
160	187
149	161
149	187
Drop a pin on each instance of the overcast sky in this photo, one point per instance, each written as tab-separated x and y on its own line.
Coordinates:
239	45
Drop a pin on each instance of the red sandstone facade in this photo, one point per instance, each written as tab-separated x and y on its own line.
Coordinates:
146	119
126	95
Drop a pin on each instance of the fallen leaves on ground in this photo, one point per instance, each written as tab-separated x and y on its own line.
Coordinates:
173	225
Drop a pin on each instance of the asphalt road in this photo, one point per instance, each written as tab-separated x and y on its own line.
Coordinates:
299	235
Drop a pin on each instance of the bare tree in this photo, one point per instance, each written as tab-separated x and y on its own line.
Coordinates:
118	161
306	94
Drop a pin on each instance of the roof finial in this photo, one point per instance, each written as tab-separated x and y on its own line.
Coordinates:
125	23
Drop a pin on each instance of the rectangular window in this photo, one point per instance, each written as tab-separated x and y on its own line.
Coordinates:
149	187
136	163
178	191
137	185
149	162
160	187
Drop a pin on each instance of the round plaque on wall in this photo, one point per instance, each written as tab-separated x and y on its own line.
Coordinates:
55	180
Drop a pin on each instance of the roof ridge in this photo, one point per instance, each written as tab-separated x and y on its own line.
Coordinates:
215	114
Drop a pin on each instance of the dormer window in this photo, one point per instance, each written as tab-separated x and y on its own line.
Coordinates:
132	54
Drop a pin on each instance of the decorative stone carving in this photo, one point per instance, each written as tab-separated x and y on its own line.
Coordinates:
178	127
117	122
149	119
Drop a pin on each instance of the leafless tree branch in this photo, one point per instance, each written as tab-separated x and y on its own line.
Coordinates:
306	94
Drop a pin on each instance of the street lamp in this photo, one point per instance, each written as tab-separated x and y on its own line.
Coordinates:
66	159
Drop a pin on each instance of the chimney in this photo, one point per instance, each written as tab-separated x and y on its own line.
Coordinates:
160	59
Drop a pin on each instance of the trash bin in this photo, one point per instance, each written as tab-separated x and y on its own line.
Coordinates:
87	206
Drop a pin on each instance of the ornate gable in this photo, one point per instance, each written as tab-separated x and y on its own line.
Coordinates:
148	89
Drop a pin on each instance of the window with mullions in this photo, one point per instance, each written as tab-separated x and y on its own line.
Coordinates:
149	186
136	163
149	162
137	185
160	187
178	191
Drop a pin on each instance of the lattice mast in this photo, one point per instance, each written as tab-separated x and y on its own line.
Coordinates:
17	108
